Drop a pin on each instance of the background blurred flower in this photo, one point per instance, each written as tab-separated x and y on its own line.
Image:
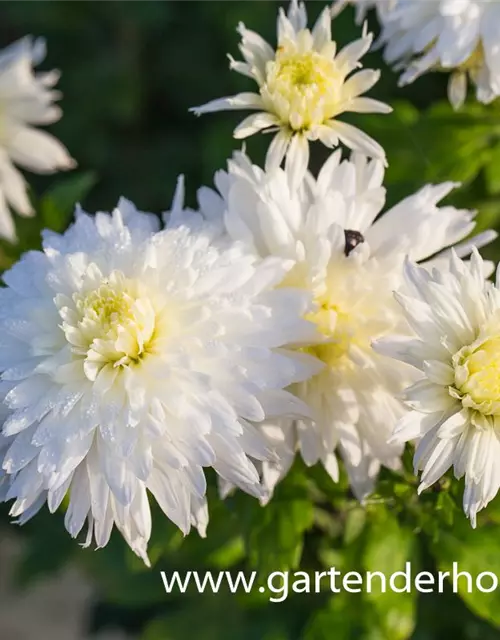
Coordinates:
363	6
26	99
460	36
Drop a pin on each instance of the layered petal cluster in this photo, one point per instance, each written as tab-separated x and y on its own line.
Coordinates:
460	36
304	85
131	358
350	261
26	99
455	403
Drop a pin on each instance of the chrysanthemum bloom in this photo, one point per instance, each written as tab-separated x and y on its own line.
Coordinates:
363	6
456	402
350	261
25	100
303	88
131	359
460	36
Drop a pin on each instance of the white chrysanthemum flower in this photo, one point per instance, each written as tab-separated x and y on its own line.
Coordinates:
303	88
456	403
130	360
26	99
460	36
363	6
350	261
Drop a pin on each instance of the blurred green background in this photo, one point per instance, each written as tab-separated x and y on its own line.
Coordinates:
130	72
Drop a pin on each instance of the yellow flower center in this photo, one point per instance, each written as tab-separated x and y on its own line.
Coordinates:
106	309
354	305
477	376
114	324
475	62
303	88
300	70
337	328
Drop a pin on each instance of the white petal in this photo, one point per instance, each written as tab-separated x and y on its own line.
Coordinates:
428	397
240	101
457	89
367	105
357	140
414	425
14	187
39	151
277	149
322	31
297	160
254	123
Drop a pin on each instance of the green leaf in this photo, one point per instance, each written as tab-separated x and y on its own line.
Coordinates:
58	203
389	547
434	145
228	554
341	619
473	551
275	543
217	618
355	523
447	506
492	171
123	580
274	533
